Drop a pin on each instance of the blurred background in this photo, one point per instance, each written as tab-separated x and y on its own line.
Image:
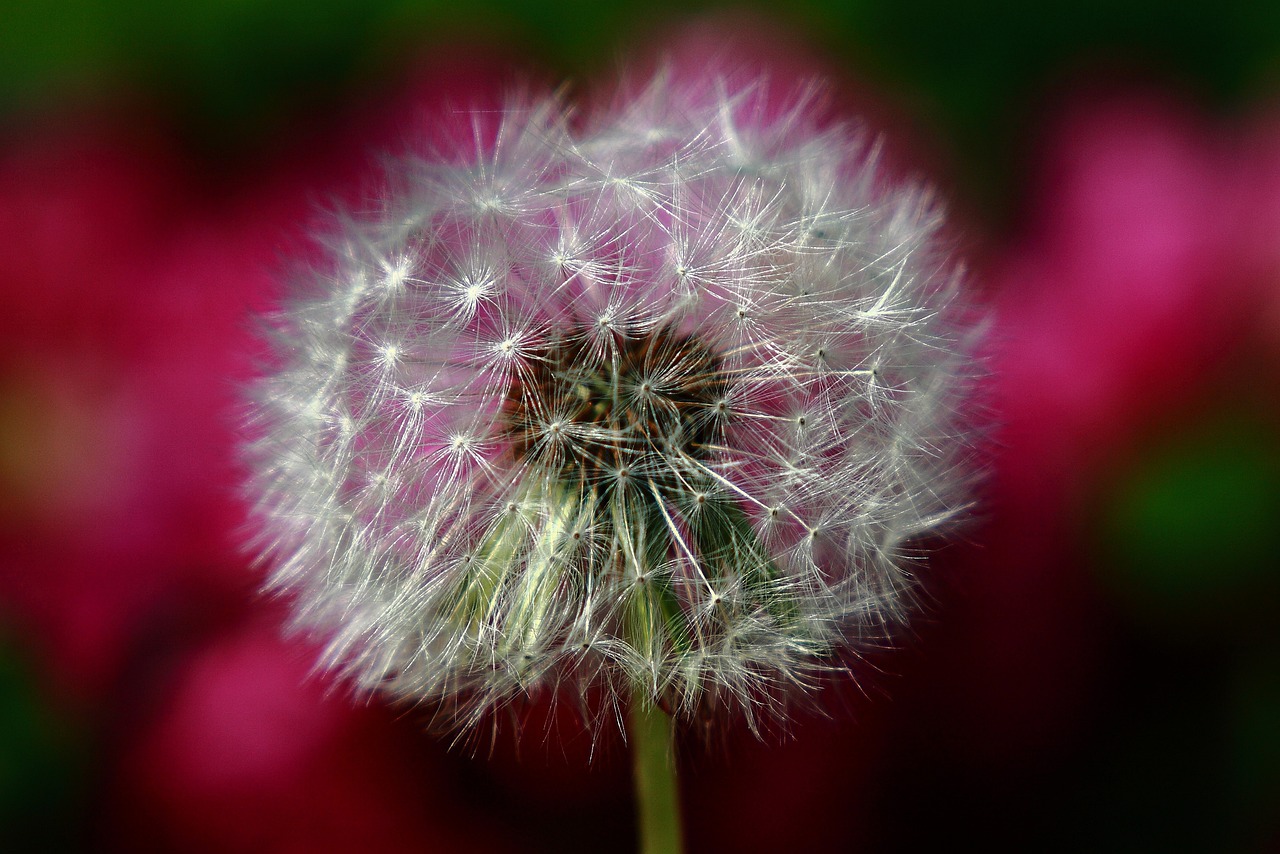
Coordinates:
1097	665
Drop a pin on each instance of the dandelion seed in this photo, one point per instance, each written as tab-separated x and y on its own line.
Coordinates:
660	406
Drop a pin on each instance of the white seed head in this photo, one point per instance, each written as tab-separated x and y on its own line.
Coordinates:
660	406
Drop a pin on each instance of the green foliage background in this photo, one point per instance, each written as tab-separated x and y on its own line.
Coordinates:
974	70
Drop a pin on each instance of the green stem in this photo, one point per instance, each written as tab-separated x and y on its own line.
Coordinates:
653	760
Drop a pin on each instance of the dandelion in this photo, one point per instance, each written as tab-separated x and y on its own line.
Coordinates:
660	405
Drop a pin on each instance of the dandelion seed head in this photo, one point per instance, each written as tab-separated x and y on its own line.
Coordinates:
665	404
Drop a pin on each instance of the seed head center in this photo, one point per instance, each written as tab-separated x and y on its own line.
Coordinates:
588	406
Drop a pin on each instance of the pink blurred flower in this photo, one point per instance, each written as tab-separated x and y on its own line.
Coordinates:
1130	281
92	361
250	754
1134	280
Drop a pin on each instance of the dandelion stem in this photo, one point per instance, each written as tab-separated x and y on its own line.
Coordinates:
654	764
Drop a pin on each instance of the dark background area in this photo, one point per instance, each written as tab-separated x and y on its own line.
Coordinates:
1097	665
